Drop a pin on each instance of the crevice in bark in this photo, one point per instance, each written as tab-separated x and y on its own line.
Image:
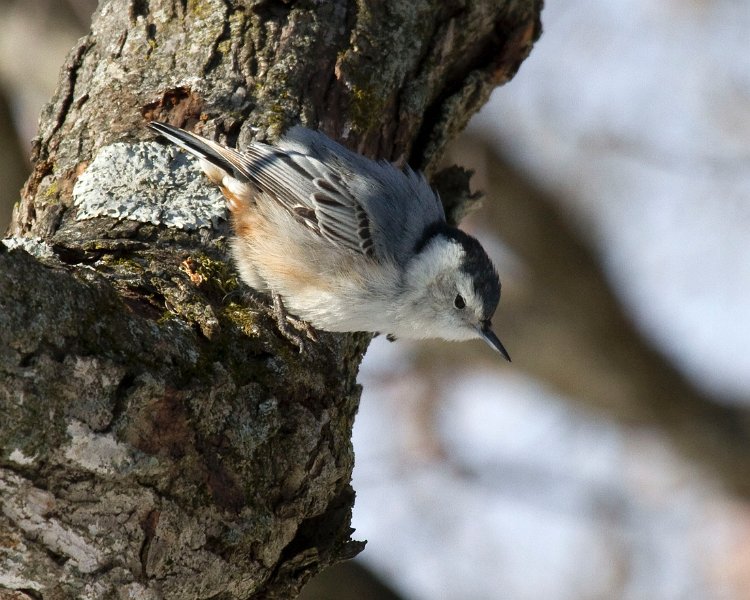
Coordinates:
138	8
215	58
67	89
148	525
119	404
180	106
488	61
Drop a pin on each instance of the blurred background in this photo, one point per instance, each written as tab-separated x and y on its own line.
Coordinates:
609	460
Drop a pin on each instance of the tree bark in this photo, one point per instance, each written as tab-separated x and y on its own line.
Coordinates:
159	439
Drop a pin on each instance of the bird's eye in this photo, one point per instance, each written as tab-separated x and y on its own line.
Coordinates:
459	302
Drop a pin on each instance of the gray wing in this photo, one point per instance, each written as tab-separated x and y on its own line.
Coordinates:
381	209
312	191
355	203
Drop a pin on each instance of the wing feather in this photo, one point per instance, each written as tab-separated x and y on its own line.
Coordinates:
300	182
345	198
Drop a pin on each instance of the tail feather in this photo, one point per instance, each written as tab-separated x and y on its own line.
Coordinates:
197	146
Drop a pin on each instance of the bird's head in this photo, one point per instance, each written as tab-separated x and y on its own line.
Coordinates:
451	289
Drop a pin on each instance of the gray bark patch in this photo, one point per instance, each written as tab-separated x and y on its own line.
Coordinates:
148	183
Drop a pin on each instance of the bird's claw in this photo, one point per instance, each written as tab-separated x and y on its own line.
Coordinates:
291	327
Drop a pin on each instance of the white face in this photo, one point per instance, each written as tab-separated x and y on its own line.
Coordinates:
457	309
442	300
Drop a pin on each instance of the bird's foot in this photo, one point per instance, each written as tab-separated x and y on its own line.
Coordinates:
291	327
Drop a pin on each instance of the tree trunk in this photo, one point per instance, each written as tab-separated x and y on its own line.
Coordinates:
159	438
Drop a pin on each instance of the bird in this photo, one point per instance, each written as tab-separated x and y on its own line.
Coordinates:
344	243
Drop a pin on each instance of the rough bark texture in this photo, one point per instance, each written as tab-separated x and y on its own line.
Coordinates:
159	439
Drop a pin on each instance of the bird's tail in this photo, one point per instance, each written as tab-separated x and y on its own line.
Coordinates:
216	154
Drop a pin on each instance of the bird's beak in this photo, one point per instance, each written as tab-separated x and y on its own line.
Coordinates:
485	330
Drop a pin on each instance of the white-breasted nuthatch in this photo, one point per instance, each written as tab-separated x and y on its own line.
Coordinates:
348	243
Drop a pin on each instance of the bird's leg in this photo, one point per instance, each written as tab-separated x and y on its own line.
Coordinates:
284	320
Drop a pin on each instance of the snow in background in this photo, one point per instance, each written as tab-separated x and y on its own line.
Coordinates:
638	114
529	497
